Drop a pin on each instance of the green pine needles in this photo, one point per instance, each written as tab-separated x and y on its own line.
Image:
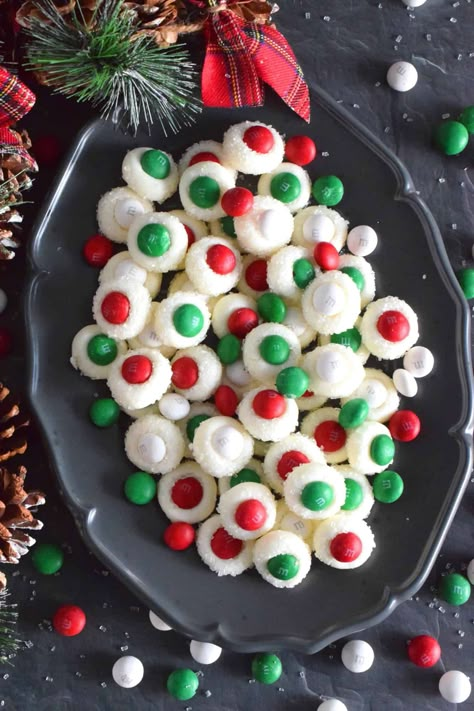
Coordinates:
9	644
112	67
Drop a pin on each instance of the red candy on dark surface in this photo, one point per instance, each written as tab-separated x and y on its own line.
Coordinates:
237	201
242	321
191	235
269	404
69	620
6	342
251	515
204	156
115	307
225	546
326	255
424	651
186	492
137	369
393	326
330	436
256	275
346	547
289	461
259	139
226	400
300	150
97	251
185	373
47	150
179	535
404	425
220	259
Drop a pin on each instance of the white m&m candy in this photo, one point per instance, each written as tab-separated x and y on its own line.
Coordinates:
470	572
127	672
455	687
174	406
318	228
332	705
419	361
204	652
405	382
413	3
357	656
158	623
362	240
402	76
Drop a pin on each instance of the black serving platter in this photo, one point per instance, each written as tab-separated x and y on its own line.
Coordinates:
245	613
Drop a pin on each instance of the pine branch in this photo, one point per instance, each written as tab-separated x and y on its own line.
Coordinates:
9	644
111	67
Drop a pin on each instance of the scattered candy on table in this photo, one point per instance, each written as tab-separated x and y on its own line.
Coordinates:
127	672
332	705
266	668
455	687
424	651
467	118
466	280
454	588
357	656
402	76
69	620
140	488
47	558
451	137
182	684
158	623
204	652
98	250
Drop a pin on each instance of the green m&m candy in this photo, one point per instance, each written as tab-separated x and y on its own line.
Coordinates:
455	589
356	276
354	494
350	338
156	164
227	224
102	350
271	307
284	566
140	488
245	475
188	320
382	449
182	684
353	413
47	558
328	190
229	349
104	412
387	486
193	424
292	382
274	350
451	137
317	495
285	187
204	191
154	240
466	280
266	668
467	118
303	273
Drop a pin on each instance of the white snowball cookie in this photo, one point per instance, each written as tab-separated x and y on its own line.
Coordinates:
174	407
283	456
225	307
116	210
267	430
357	656
201	147
127	672
264	186
180	282
137	395
198	504
344	522
209	372
310	402
80	359
455	687
419	361
174	247
295	320
405	382
109	320
265	228
158	623
144	183
319	224
310	424
204	652
149	337
286	520
236	555
362	240
367	293
364	507
228	482
154	444
373	339
334	371
166	311
122	266
280	271
241	157
331	303
230	502
224	178
378	390
222	446
279	543
201	274
254	362
306	474
359	444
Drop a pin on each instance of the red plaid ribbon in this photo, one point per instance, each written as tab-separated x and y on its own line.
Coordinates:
241	55
15	101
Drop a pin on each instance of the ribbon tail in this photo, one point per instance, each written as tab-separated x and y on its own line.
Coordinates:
276	65
229	76
15	98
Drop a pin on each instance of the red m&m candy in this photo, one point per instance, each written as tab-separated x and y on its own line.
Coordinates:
289	461
179	535
269	404
404	425
256	275
346	547
326	255
191	235
242	321
225	546
393	326
115	307
97	250
185	373
250	515
220	259
259	139
300	150
187	492
424	651
237	201
330	436
204	156
226	400
137	369
69	620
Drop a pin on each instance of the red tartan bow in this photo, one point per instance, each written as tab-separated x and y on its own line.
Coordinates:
241	55
15	101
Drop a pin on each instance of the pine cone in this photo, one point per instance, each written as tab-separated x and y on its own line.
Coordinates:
12	426
15	515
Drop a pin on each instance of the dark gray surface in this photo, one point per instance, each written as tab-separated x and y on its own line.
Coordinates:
348	55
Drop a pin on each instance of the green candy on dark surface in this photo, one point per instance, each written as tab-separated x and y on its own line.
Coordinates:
140	488
266	668
467	118
182	684
387	486
104	412
455	589
47	558
451	137
328	190
466	281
